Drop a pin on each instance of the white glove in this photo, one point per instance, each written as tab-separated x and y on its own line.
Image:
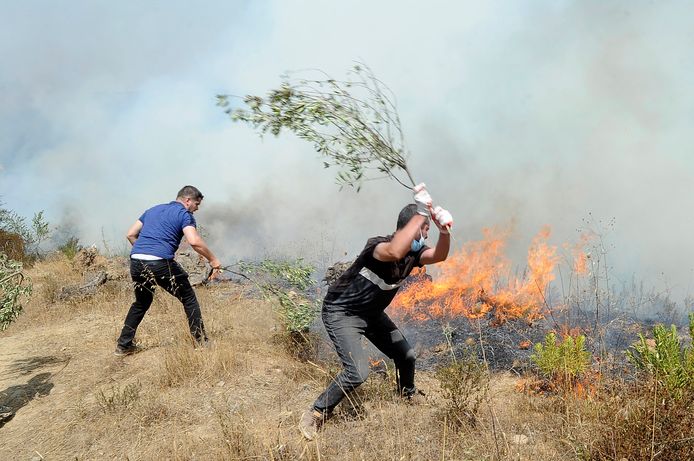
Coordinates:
422	199
443	219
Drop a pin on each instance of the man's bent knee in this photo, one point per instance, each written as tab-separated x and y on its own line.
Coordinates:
356	375
408	359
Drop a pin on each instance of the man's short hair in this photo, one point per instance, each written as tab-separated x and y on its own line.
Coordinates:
190	192
406	214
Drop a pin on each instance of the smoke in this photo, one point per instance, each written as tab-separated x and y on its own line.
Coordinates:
567	113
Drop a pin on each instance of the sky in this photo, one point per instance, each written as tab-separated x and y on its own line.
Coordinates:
572	114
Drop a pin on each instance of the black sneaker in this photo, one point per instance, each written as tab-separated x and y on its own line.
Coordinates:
413	396
123	351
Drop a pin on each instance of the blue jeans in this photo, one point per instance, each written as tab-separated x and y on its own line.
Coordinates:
169	275
346	331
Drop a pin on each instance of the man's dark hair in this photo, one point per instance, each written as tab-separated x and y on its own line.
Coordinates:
190	192
406	214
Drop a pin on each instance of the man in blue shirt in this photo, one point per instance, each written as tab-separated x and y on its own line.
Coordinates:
155	237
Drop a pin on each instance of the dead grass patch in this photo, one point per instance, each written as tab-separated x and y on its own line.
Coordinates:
118	398
639	420
184	363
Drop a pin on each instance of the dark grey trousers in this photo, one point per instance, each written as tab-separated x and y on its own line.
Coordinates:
169	275
346	332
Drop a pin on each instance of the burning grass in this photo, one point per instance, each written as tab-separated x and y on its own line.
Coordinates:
477	282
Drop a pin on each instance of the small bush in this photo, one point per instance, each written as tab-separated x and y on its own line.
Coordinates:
297	312
32	234
117	398
561	362
463	383
70	248
294	274
13	285
665	358
287	281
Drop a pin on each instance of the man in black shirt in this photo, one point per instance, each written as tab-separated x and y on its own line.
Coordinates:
354	306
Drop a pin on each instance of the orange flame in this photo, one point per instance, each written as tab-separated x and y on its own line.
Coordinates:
374	363
525	344
477	281
580	255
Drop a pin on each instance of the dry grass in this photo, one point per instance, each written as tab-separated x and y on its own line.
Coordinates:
240	398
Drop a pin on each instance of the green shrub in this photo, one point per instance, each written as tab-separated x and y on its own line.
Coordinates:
563	361
665	358
70	248
32	234
285	281
293	274
296	311
296	314
288	282
296	273
13	285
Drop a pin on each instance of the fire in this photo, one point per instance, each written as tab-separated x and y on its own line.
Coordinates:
525	344
477	281
376	363
580	254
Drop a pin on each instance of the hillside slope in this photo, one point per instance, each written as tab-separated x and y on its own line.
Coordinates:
239	398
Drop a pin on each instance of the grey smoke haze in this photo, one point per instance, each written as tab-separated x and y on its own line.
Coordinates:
526	112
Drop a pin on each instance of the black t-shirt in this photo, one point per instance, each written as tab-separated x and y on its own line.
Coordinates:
369	285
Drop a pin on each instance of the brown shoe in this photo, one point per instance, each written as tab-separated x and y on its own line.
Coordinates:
310	423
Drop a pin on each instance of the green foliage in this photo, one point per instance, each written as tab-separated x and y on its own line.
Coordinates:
294	274
13	286
297	312
285	280
666	358
40	228
353	124
32	233
71	247
563	361
463	383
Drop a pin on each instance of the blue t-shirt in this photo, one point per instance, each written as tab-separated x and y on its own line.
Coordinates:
162	230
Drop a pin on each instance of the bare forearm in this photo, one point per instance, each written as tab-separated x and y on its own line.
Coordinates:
442	247
134	232
402	239
202	249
